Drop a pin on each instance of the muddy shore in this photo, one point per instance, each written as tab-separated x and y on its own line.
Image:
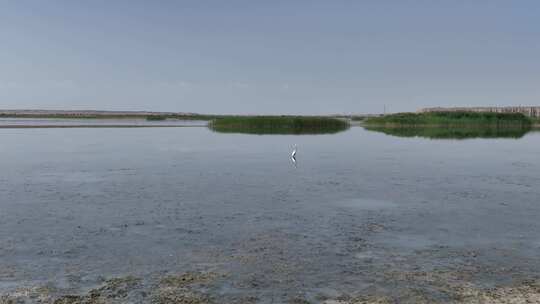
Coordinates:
206	288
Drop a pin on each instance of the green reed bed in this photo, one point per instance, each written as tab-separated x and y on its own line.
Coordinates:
451	119
202	117
278	125
181	117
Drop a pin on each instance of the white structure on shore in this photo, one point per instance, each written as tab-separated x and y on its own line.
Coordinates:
528	111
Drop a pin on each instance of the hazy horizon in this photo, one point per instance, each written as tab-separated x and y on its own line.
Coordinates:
279	57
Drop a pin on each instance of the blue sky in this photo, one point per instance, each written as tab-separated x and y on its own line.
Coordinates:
304	57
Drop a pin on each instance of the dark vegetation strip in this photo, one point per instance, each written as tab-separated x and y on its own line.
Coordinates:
112	116
156	118
90	127
451	119
278	125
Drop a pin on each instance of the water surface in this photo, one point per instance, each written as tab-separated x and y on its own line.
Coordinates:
90	122
78	205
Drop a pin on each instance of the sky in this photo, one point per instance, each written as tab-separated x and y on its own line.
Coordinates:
268	57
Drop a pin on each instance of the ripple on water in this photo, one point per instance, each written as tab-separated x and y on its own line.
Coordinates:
366	204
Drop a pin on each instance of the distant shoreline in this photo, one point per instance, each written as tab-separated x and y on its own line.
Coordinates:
93	126
95	114
98	114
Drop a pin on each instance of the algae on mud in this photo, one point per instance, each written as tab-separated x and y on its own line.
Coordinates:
196	288
282	125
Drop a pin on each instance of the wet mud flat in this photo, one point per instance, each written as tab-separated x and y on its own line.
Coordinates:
190	216
352	263
182	290
207	288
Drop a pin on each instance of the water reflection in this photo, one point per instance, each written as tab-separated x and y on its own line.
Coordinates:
453	132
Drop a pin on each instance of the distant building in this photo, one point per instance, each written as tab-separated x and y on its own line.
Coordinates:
528	111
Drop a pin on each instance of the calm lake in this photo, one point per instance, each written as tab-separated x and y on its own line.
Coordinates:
359	212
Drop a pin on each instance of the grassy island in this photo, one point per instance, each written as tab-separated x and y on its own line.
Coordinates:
451	119
278	125
452	125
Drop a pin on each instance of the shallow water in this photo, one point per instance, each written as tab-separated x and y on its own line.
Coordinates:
77	205
89	122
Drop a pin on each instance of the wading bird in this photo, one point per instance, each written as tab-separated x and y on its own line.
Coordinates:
293	154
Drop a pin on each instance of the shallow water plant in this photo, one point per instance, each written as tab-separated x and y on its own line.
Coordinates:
278	125
450	119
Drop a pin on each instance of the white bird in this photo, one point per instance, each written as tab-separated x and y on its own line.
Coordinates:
293	154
